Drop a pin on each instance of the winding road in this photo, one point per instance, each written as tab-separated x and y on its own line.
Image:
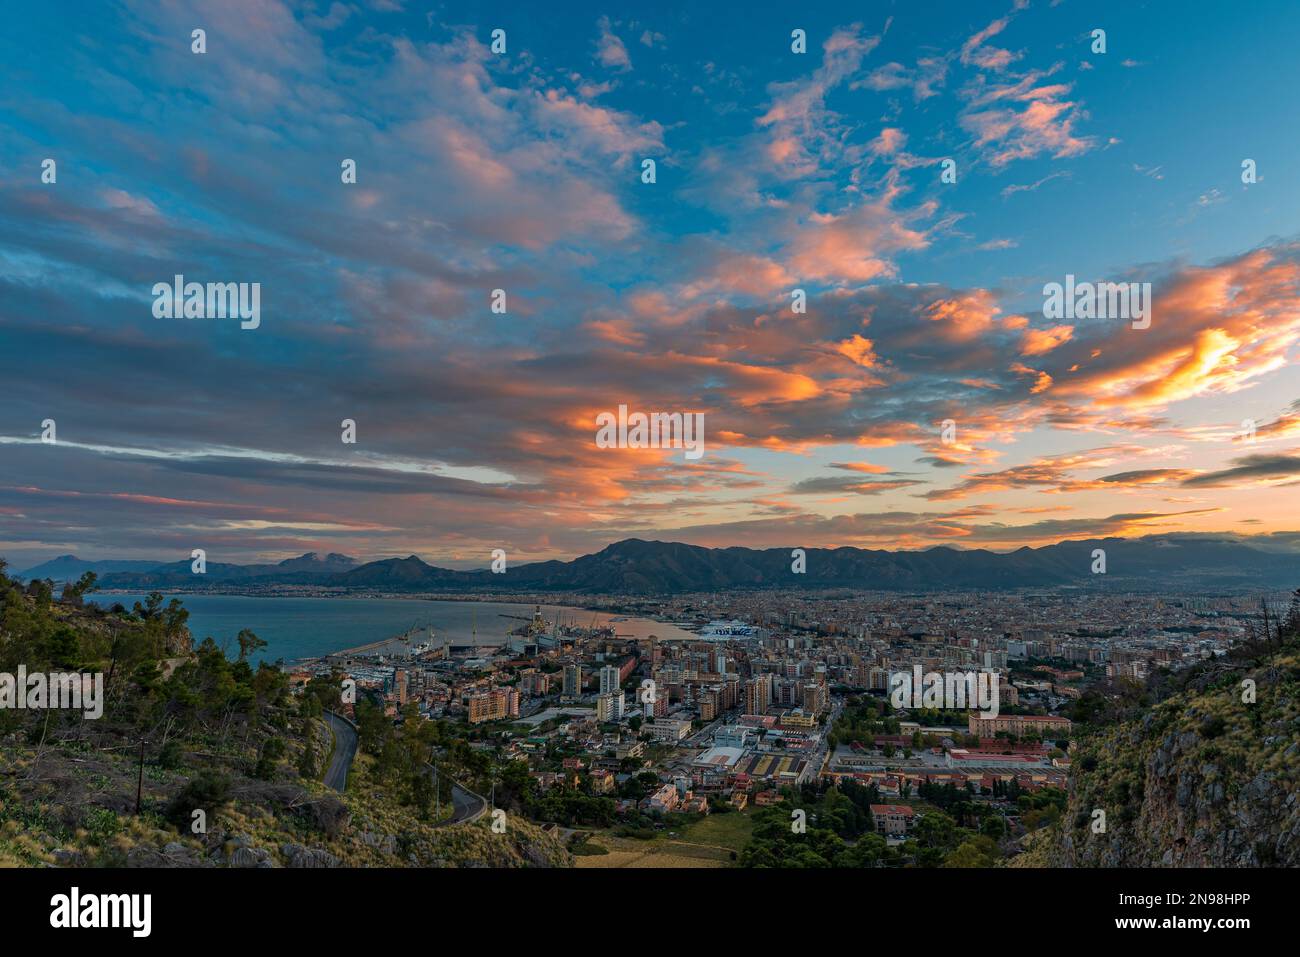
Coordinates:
345	749
466	805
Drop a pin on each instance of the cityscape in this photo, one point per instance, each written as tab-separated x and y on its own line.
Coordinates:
462	457
789	691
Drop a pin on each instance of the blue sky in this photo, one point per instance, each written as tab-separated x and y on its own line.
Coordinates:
521	171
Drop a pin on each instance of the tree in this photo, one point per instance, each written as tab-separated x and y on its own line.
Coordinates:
248	643
272	750
994	827
976	852
73	592
308	765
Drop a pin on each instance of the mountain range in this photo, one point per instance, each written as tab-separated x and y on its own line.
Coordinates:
635	566
306	569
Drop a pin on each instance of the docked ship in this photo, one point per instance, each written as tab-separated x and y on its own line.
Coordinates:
727	631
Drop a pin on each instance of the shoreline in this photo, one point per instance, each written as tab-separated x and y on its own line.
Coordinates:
445	635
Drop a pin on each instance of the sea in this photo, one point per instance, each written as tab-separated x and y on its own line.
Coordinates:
297	628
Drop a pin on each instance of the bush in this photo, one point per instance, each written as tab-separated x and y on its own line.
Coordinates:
1212	727
208	791
171	756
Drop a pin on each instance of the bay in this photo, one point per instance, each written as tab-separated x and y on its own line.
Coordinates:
295	628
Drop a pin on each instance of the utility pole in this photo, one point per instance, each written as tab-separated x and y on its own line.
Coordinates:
437	795
139	783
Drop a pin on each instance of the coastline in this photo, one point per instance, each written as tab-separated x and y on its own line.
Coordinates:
304	628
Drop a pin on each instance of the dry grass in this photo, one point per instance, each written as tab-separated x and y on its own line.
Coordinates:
670	852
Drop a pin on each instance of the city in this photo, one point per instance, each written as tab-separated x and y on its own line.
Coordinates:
790	689
510	467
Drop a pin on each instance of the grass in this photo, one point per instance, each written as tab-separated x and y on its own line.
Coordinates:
729	830
705	842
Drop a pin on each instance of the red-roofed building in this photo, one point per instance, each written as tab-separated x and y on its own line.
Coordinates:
893	820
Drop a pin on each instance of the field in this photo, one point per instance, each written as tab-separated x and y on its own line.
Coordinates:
707	842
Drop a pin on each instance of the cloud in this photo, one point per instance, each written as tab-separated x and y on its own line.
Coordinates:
610	50
923	79
1031	187
1038	341
1249	470
1054	474
976	52
849	486
477	172
1023	118
801	130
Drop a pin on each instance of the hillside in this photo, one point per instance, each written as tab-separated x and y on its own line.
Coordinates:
197	729
1198	778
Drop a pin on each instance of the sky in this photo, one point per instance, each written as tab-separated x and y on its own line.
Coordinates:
920	172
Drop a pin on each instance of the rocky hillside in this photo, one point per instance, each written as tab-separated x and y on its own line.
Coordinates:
1202	779
200	760
74	807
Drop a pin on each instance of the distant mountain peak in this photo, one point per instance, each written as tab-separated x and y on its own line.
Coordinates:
314	558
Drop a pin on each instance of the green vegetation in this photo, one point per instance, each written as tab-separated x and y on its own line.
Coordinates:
1198	767
835	830
201	759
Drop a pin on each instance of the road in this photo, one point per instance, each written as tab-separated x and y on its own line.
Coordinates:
703	737
466	805
818	759
345	749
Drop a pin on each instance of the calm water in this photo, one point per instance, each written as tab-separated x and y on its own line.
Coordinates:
310	627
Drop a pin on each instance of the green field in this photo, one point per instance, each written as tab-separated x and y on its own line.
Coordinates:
703	842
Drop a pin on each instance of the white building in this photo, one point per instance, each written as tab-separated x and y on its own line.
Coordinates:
608	679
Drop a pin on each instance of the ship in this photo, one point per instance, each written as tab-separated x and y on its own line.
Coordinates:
727	630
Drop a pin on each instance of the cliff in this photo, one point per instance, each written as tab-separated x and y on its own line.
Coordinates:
1205	778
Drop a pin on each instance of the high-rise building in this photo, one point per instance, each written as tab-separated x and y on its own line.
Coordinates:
609	706
493	705
758	694
573	681
609	679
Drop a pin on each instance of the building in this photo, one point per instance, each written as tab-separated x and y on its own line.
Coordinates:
732	736
493	705
609	706
609	679
671	730
893	820
535	683
710	701
573	681
632	749
1020	725
663	800
798	721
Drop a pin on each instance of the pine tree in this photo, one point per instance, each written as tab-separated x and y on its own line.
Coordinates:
308	766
